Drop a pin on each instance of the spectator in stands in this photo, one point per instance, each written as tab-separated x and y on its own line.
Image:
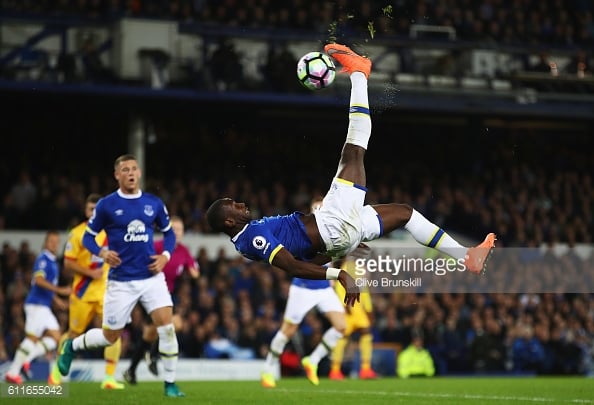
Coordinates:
94	70
487	351
415	360
224	66
579	66
528	354
20	200
279	69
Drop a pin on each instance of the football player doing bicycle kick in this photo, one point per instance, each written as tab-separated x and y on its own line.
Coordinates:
301	243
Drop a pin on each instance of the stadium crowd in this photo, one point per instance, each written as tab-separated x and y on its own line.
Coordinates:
504	21
235	307
516	24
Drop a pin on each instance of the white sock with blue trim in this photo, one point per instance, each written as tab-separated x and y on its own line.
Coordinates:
328	342
169	350
359	118
429	234
91	339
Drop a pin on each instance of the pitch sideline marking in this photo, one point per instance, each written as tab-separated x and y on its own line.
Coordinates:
449	396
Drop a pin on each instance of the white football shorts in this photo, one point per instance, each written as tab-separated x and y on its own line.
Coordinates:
122	296
343	221
301	300
38	319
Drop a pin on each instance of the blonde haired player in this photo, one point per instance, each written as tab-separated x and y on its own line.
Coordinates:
86	300
357	320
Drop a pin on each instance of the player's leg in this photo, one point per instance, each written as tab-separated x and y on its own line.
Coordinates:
337	355
95	338
361	316
366	352
13	375
35	326
351	165
394	216
299	302
80	315
333	310
120	299
55	378
47	343
275	350
152	353
152	356
149	335
111	354
33	331
156	300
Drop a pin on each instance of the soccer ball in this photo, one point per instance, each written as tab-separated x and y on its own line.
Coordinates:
315	70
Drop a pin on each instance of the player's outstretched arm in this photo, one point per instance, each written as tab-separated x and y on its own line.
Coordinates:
40	281
297	268
321	259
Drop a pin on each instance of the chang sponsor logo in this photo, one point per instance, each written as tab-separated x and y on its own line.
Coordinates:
136	232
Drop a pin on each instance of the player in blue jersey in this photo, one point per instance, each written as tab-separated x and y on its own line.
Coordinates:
41	326
304	295
129	216
294	242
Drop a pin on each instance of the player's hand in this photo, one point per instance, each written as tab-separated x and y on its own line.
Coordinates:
64	291
361	252
159	262
61	304
352	291
111	257
96	274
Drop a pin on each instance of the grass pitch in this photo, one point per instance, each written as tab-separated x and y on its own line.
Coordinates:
441	391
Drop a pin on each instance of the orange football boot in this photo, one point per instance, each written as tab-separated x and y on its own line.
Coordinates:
476	258
350	61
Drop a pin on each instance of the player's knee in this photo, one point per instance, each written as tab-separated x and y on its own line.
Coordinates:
406	210
340	328
54	334
111	335
288	329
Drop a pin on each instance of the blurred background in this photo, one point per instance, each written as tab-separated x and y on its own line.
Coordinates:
483	117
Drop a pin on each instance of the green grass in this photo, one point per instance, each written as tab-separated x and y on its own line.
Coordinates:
441	391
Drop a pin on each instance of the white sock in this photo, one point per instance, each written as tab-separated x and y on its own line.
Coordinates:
359	118
168	349
329	340
45	345
20	356
92	339
277	345
429	234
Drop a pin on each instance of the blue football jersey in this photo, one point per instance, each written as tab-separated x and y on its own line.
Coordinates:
129	221
310	284
261	239
46	266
